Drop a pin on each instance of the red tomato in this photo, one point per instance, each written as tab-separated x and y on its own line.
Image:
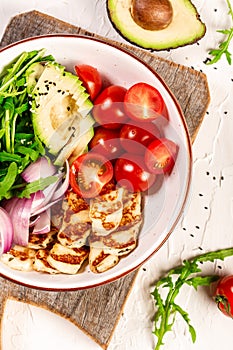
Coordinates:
130	172
108	108
223	295
135	136
160	156
106	142
91	79
89	173
144	103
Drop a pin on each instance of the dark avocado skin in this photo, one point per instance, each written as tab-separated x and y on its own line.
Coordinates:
153	49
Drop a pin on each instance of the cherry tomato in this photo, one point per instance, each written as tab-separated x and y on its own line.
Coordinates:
91	79
160	156
89	173
135	136
223	295
108	108
144	103
106	142
130	172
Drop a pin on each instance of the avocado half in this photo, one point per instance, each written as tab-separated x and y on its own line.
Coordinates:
185	27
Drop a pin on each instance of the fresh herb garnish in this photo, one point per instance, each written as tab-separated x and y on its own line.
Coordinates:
223	46
188	273
18	143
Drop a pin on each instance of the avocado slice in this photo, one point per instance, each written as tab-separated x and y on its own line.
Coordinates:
184	28
59	104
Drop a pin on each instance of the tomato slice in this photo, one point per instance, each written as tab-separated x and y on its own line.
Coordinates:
160	156
91	79
144	102
130	172
89	173
108	109
223	295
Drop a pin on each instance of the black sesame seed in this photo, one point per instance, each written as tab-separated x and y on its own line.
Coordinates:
200	194
58	90
200	248
144	269
205	207
220	267
207	173
191	235
214	177
198	227
184	228
68	108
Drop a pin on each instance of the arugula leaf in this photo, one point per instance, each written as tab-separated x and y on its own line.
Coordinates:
37	185
8	181
223	46
187	273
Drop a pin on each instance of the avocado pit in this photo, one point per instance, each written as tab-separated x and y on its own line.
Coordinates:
152	14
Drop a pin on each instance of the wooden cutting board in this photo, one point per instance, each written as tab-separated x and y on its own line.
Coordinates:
96	311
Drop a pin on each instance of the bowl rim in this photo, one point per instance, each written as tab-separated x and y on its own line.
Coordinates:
128	52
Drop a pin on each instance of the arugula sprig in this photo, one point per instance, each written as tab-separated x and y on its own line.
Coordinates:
186	274
19	146
223	46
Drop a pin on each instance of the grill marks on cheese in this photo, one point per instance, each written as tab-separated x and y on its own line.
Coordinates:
99	232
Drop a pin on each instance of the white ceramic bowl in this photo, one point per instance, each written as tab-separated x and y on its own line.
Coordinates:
162	209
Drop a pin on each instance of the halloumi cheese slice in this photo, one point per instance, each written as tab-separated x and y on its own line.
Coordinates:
19	258
67	260
40	241
101	262
41	263
106	212
76	223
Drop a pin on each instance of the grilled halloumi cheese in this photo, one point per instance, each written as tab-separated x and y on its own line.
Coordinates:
76	223
105	250
106	212
100	262
67	260
41	263
40	241
19	258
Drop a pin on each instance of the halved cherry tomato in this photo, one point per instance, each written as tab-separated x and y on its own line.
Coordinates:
89	173
144	103
160	156
106	142
108	108
223	295
91	79
135	136
130	172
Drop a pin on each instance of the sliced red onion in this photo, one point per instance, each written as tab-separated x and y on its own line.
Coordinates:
43	223
41	168
21	220
64	187
6	231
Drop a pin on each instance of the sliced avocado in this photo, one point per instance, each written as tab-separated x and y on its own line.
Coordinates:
78	141
184	28
59	103
33	74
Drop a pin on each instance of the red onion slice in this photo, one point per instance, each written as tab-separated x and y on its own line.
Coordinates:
41	168
43	224
6	231
21	220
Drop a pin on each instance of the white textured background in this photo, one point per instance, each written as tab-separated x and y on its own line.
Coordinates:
207	223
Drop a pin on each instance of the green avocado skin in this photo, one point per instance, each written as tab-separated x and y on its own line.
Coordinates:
186	26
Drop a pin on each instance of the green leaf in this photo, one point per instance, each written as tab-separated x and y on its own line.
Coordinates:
8	181
185	316
37	185
201	281
8	157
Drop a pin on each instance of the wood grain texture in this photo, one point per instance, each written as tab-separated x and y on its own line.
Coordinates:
96	311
